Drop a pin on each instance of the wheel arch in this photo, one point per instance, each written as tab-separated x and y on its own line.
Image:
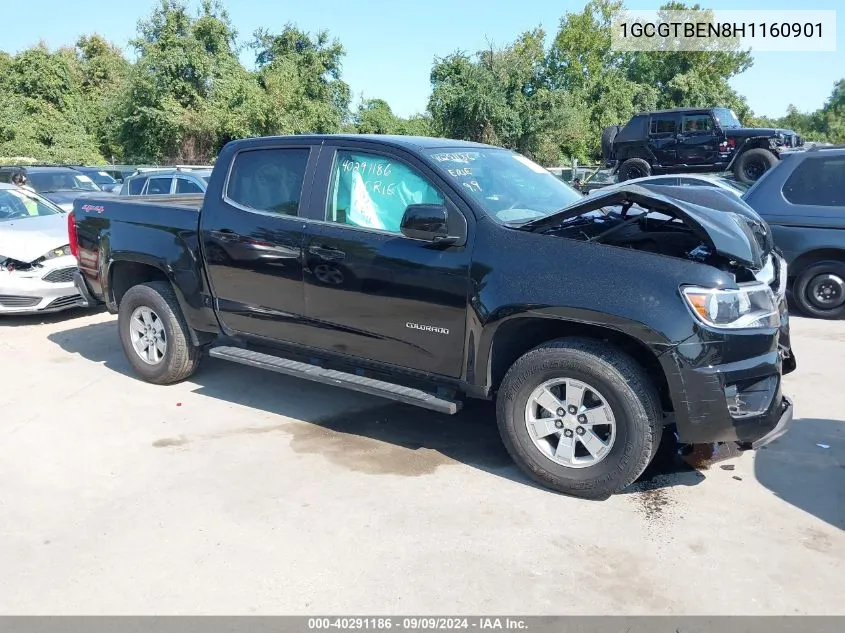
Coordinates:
518	335
124	274
813	257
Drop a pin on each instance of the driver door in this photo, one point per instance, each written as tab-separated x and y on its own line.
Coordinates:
370	291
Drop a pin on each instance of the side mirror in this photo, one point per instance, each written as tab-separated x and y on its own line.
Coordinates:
428	222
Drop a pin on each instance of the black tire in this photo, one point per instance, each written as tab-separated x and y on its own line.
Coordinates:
819	290
753	163
634	168
608	135
628	392
181	358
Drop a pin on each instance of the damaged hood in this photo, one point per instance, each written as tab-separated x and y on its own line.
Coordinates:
724	222
27	239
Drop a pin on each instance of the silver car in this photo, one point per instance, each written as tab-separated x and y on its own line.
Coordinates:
36	265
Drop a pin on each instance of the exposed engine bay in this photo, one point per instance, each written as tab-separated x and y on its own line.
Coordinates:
693	223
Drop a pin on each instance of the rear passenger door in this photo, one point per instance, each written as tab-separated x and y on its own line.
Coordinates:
252	242
663	129
697	141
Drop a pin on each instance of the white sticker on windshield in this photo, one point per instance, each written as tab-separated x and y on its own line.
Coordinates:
84	178
530	164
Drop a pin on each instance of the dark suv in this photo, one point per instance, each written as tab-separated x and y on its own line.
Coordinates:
803	200
60	185
693	139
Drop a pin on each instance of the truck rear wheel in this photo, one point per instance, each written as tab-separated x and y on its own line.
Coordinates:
579	417
154	334
634	168
753	163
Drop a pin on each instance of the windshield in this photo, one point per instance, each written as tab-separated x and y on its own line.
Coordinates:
509	187
45	181
726	118
20	203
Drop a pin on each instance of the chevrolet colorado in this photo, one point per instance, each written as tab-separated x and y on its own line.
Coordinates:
430	271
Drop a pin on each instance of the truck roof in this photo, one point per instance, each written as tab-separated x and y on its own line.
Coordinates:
407	142
676	110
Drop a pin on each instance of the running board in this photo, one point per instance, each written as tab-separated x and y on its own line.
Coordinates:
371	386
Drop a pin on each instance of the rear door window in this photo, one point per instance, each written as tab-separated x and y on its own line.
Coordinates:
183	185
697	124
663	125
268	179
159	186
136	186
817	181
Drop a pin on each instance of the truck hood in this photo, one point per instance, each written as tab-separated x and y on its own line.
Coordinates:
27	239
724	222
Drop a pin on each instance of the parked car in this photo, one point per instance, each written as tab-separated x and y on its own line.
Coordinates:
803	200
687	139
61	185
101	177
429	271
36	264
687	180
165	181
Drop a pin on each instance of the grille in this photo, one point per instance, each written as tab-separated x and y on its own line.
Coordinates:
12	301
63	302
60	275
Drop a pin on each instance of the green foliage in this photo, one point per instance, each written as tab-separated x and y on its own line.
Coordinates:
187	93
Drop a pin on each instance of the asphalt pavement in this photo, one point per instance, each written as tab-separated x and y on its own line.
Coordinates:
246	492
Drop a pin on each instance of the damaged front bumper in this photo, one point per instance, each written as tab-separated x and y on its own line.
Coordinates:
41	290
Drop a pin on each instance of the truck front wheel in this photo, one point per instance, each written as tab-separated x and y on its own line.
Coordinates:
579	417
154	335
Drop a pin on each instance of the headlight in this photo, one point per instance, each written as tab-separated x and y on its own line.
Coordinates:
751	305
58	252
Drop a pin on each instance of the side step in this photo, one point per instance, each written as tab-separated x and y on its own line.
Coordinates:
371	386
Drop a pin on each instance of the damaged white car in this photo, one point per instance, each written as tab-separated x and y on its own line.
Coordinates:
36	266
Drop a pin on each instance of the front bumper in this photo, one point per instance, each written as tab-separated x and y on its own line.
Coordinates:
784	422
30	292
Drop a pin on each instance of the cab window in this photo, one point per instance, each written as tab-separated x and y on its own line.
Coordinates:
183	185
663	125
372	191
269	179
158	186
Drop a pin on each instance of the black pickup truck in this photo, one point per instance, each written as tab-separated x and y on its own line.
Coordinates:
429	271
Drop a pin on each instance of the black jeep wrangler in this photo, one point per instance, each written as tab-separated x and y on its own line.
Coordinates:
693	139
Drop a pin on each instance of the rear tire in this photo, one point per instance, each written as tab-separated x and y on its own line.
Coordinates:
753	163
174	357
819	290
634	168
595	372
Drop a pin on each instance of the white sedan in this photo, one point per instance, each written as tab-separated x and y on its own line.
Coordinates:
687	180
36	266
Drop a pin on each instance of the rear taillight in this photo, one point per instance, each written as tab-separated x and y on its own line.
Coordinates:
73	239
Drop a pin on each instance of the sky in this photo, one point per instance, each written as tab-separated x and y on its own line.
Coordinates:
391	44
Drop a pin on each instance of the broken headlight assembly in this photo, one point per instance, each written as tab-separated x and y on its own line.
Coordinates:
750	305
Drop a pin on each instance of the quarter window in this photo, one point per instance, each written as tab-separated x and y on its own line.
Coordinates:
373	191
818	181
269	179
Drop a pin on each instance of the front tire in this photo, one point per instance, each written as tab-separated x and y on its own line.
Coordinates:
154	334
600	447
819	290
